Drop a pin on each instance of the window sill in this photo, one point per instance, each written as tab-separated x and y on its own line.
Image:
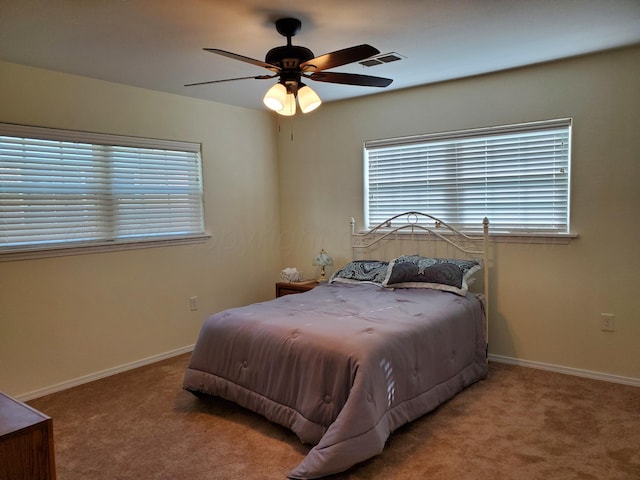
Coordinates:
548	238
98	248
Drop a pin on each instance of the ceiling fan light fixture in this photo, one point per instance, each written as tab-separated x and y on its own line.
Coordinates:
289	108
276	98
308	99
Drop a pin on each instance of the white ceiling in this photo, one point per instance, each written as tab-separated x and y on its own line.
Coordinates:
157	44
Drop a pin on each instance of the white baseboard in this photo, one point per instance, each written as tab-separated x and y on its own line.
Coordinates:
179	351
635	382
102	374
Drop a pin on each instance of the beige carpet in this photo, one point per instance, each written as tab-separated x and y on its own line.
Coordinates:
518	424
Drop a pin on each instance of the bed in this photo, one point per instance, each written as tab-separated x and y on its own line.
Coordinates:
350	361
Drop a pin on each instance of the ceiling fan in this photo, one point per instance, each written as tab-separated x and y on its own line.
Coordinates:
292	63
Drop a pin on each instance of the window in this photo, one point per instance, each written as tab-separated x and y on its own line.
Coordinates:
61	189
516	175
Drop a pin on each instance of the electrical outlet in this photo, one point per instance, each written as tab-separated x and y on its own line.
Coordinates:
607	322
193	303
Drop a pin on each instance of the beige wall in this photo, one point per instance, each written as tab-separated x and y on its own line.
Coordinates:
546	299
66	318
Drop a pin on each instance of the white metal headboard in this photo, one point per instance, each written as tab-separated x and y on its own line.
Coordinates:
418	226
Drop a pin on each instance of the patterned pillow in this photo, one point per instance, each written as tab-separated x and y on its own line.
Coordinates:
370	271
414	271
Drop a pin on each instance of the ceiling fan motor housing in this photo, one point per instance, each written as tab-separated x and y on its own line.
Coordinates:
289	58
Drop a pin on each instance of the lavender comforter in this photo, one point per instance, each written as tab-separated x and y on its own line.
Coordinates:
342	365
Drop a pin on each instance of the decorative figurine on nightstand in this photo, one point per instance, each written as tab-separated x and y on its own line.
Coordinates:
322	260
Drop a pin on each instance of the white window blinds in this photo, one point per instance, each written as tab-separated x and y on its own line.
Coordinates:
60	188
516	175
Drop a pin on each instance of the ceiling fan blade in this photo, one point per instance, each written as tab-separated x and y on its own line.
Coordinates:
350	79
242	58
339	57
259	77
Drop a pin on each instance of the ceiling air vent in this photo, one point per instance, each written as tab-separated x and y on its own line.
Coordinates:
382	58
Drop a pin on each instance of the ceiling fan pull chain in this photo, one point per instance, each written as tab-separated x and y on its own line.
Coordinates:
291	125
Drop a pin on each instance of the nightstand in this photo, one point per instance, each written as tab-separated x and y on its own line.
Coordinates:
286	288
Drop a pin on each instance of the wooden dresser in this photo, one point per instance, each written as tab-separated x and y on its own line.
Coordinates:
26	442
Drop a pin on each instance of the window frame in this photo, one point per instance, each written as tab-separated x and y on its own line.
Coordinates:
125	241
515	235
